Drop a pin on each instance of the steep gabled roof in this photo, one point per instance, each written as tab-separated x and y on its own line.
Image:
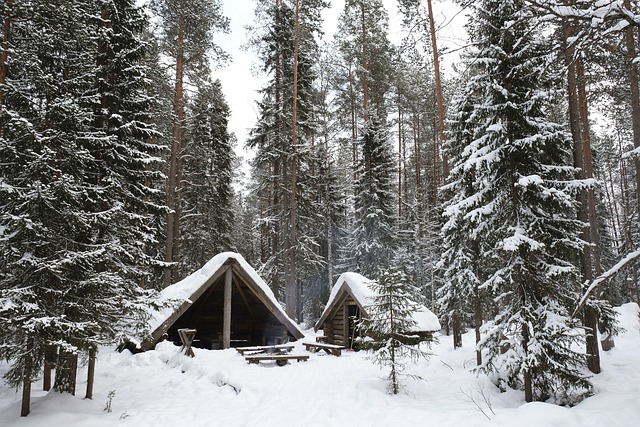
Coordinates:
359	288
184	293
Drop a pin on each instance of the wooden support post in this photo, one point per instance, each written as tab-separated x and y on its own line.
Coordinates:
226	320
91	373
26	397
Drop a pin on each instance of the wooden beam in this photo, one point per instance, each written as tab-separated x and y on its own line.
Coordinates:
226	320
345	326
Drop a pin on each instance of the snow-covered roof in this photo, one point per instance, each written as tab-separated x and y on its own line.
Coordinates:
359	287
179	296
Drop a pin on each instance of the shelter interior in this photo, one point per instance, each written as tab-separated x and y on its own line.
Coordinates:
252	323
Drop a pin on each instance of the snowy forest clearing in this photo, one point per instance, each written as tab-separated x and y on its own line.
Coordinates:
218	388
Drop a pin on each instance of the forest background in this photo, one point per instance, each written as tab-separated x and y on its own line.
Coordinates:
489	187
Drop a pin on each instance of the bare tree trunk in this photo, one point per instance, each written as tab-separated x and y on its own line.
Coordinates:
291	294
400	160
456	328
6	37
275	233
528	386
174	185
477	303
578	129
91	371
365	65
439	98
635	99
25	408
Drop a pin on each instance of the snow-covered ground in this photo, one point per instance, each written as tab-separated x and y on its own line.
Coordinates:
218	388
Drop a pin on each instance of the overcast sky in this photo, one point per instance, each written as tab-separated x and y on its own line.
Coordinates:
240	85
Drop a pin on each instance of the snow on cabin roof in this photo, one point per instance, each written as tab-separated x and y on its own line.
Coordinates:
360	288
183	290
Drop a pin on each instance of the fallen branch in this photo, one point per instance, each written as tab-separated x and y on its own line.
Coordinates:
604	277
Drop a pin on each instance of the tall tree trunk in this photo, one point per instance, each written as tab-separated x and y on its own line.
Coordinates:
439	98
578	133
174	185
25	408
291	294
456	328
354	128
365	64
275	239
6	37
478	302
630	41
400	160
91	371
528	383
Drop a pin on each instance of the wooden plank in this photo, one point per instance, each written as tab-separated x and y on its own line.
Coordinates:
226	319
277	358
345	324
264	348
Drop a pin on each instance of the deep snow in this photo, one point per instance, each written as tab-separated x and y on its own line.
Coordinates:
218	388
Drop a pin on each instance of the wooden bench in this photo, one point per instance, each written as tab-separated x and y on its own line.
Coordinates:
278	349
280	359
334	349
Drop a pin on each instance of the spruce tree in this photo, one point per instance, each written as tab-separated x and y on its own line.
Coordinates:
208	193
459	264
387	328
373	238
74	148
523	208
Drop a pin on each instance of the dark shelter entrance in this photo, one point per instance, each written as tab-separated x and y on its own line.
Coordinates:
251	321
230	307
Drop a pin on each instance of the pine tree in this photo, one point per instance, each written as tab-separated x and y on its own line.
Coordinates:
519	164
187	28
285	171
388	325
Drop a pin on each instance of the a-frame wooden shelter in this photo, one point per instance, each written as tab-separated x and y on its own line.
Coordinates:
228	304
347	305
